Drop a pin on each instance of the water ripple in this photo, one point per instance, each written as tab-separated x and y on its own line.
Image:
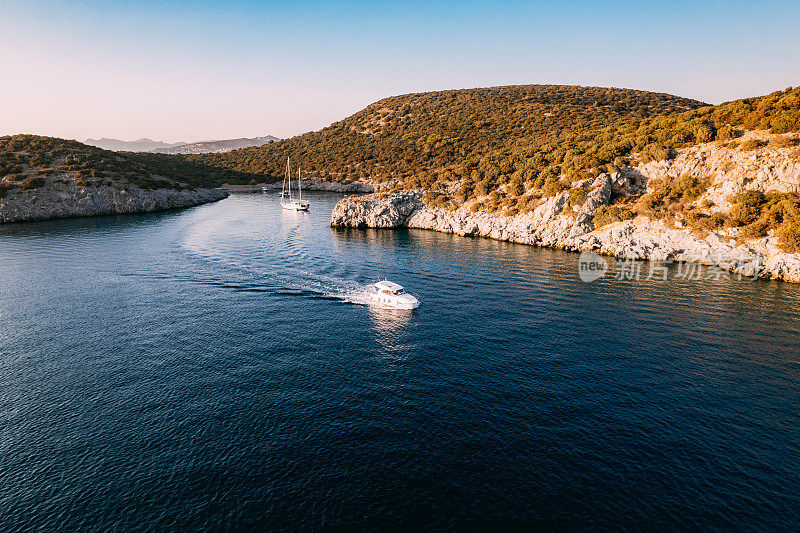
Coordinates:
201	370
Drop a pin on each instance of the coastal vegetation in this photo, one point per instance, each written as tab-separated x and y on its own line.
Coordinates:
507	149
27	160
44	178
757	213
502	150
581	154
459	145
436	137
464	144
754	213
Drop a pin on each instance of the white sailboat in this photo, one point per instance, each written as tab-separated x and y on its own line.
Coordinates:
287	201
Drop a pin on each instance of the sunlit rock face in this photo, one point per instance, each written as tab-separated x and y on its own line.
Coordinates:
554	223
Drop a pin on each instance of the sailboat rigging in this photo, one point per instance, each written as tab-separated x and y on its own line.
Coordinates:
287	201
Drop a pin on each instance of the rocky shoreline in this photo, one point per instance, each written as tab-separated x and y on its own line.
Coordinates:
65	200
548	226
556	224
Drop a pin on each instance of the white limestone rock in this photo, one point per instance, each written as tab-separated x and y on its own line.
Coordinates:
552	224
65	200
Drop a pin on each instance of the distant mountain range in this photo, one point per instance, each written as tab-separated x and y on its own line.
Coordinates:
200	147
207	147
139	145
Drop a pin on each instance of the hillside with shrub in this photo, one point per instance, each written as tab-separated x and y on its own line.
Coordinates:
445	134
530	140
459	145
501	150
43	178
26	162
578	154
746	139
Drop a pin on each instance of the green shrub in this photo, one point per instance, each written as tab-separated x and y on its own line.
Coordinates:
651	205
726	133
577	197
552	186
746	208
755	230
527	203
689	187
465	192
654	152
608	214
483	187
435	200
671	195
701	221
759	213
716	221
789	237
703	133
516	188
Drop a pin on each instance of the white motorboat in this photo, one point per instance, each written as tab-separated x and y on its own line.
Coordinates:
287	200
388	294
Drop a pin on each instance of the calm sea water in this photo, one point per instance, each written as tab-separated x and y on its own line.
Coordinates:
217	368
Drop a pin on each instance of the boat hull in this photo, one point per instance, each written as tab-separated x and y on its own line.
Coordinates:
295	206
389	302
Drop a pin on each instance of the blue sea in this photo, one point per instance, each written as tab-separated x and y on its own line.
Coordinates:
218	368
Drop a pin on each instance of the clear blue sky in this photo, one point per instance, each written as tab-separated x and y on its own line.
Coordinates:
188	70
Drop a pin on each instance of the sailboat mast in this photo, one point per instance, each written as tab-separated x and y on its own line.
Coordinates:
286	175
299	181
289	173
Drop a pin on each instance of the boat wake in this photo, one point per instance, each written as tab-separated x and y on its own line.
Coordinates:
255	271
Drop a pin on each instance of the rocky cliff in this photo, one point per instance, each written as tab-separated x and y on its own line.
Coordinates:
65	199
556	223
